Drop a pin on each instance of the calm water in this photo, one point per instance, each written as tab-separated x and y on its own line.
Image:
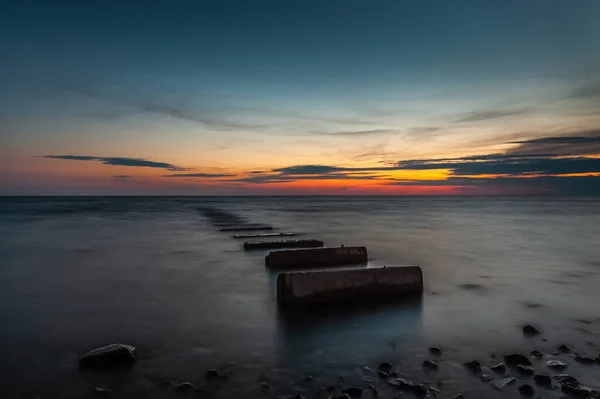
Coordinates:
77	273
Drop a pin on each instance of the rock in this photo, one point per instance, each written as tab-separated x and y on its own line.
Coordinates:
435	351
399	396
459	396
556	364
579	390
530	330
298	396
265	386
543	380
368	378
185	387
564	378
428	364
341	396
526	390
353	392
473	365
366	369
526	370
307	378
486	377
385	367
102	391
498	368
165	382
418	389
564	348
373	390
537	354
109	356
212	373
499	385
585	360
514	359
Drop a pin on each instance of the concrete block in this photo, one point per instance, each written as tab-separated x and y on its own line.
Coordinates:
283	244
318	257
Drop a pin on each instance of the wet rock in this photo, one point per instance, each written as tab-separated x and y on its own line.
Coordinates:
431	365
212	374
385	367
585	360
165	382
399	395
459	396
498	368
486	378
499	385
556	364
537	354
307	378
525	370
514	359
418	389
298	396
265	386
368	378
526	390
102	391
564	378
185	387
354	392
473	365
530	330
329	388
564	348
435	351
373	390
341	396
542	380
366	369
579	390
109	356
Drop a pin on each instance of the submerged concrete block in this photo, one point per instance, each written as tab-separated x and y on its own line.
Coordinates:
283	244
304	289
317	257
265	235
246	228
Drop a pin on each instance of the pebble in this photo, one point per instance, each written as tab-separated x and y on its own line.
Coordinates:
435	351
102	391
526	390
556	364
473	365
537	354
514	359
530	330
486	378
543	380
498	368
353	391
564	348
428	364
526	370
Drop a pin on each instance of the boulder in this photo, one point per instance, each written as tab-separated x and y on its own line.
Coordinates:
543	380
212	374
109	356
514	359
585	360
564	348
486	377
525	370
579	390
385	367
435	351
526	390
530	330
431	365
556	365
564	378
473	365
498	368
537	354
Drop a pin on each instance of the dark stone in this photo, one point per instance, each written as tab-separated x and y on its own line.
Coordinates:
373	390
579	390
486	377
418	389
265	386
165	382
556	364
212	373
526	390
514	359
386	367
185	387
585	360
526	370
499	385
498	368
473	365
307	378
564	378
353	391
543	380
102	391
435	351
109	356
298	396
459	396
428	364
530	330
537	354
341	396
564	349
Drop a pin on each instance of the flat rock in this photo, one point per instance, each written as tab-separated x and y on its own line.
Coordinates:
473	365
526	390
556	364
585	360
418	389
564	378
353	391
514	359
564	348
499	385
431	365
435	351
530	330
498	368
109	356
525	370
543	380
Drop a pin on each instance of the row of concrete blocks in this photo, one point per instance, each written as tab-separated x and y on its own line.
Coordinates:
303	289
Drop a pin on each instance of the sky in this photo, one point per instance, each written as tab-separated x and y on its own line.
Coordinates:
300	97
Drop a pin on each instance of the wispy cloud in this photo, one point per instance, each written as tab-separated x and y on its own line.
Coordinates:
122	177
205	175
576	143
485	115
354	133
120	161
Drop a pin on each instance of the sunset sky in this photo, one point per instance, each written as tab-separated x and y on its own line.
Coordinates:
300	97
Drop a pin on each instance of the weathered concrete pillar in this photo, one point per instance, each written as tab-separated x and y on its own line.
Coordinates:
317	257
304	289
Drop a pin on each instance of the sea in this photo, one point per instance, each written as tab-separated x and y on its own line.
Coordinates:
77	273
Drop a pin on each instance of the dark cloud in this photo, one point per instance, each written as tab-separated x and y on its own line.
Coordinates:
577	143
282	178
207	175
258	172
120	161
424	129
122	177
354	133
308	169
485	115
590	90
